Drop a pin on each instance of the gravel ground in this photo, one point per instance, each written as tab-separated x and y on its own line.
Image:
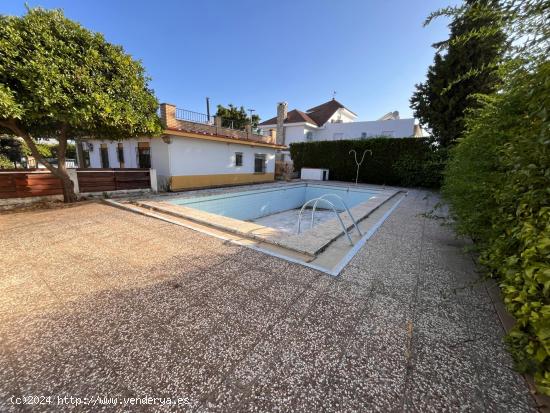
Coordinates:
100	302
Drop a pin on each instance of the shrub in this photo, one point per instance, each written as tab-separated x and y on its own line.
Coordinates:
406	161
498	185
5	162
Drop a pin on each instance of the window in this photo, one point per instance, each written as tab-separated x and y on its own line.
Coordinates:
259	163
120	154
363	135
143	155
85	156
309	136
104	154
238	159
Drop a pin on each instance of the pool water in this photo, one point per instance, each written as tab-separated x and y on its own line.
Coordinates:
251	205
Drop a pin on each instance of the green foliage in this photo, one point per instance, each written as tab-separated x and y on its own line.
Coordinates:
70	152
54	72
236	117
11	148
498	184
407	161
5	162
465	66
59	80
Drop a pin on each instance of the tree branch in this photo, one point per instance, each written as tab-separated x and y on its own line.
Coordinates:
62	147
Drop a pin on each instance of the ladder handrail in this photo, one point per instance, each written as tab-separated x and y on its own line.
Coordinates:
333	209
322	198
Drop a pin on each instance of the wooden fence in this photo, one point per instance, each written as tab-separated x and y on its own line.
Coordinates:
27	184
21	184
101	180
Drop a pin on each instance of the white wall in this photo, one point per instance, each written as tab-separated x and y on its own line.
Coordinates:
129	149
202	157
401	128
342	116
294	134
185	156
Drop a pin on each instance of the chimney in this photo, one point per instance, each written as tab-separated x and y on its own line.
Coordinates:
282	112
168	115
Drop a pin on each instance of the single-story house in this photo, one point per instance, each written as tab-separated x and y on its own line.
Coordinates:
193	152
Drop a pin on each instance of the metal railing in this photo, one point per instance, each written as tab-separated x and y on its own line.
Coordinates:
333	209
322	198
196	117
232	124
203	118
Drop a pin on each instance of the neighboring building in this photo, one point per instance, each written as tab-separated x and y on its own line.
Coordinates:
193	152
333	121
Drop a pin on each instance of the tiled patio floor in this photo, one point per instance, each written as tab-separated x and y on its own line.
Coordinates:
98	301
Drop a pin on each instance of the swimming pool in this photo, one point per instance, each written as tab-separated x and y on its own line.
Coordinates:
254	204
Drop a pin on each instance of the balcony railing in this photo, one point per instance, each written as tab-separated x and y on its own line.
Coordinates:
196	117
203	118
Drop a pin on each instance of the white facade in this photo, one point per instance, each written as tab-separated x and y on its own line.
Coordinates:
342	115
195	157
399	128
179	159
304	132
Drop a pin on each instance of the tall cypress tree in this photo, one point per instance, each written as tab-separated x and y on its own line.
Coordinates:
464	65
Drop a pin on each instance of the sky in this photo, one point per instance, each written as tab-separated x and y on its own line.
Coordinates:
256	53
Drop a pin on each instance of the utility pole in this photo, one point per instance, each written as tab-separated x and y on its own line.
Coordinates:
251	112
208	108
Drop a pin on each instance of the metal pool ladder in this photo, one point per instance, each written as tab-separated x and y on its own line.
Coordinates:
323	199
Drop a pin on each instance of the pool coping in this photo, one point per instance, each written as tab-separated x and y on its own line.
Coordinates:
310	242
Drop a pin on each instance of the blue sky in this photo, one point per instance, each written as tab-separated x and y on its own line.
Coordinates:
258	53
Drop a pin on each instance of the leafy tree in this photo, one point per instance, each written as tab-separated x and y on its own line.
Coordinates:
235	117
5	162
70	151
465	66
59	80
12	148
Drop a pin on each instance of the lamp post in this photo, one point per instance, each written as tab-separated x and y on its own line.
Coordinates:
359	162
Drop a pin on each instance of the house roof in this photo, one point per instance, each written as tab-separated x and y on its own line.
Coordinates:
322	113
318	115
294	116
201	134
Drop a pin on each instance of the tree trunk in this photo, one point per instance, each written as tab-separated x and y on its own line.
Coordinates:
69	195
68	187
60	172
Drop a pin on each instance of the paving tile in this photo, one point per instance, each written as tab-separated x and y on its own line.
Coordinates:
254	279
133	306
9	386
443	378
328	314
282	292
371	375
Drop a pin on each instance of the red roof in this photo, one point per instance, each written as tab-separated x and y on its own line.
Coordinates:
318	115
206	133
294	116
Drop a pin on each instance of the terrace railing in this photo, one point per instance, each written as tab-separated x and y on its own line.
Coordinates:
203	118
196	117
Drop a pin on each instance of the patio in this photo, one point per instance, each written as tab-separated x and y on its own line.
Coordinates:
98	301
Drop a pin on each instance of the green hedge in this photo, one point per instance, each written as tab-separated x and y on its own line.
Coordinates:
498	185
405	162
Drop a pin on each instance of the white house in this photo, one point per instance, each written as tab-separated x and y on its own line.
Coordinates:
333	121
190	154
